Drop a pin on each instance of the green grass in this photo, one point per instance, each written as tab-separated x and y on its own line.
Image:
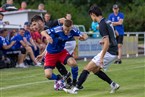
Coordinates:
31	82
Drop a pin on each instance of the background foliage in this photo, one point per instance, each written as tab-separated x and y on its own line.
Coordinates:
134	10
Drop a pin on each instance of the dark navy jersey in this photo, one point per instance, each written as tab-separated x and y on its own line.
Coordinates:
106	29
59	38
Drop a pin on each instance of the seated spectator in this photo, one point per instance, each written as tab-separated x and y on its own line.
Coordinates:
6	47
41	7
21	44
2	60
23	6
38	39
28	39
9	6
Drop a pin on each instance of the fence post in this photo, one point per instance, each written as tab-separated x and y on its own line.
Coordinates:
127	55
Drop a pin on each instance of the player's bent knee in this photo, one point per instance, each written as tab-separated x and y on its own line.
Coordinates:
72	62
48	75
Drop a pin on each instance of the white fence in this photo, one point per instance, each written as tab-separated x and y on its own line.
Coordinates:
133	45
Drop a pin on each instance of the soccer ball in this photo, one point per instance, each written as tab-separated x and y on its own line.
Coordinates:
59	85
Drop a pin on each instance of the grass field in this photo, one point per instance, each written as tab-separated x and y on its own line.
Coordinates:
30	82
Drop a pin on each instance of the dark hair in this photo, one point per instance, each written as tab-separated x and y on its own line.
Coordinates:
68	23
1	14
36	18
2	31
96	10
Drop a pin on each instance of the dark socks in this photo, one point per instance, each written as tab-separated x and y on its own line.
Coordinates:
82	78
62	70
104	77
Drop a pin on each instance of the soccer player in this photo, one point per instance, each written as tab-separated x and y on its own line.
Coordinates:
117	19
106	56
55	50
61	68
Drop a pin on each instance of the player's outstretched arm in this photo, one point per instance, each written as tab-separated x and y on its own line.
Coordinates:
83	37
44	33
41	56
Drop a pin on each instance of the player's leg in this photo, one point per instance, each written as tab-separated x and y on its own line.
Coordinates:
49	65
63	71
74	68
70	46
82	78
120	42
66	58
108	58
50	75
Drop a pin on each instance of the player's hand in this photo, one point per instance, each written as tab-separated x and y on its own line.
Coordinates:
39	58
50	40
61	20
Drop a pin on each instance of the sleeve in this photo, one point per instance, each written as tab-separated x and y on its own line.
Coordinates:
109	17
4	42
77	32
121	16
54	30
103	30
19	38
49	31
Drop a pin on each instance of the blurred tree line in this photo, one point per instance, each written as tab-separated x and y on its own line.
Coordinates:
134	10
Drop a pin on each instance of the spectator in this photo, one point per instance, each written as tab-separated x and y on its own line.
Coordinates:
8	50
28	39
47	17
41	7
21	44
95	29
9	6
68	16
117	20
23	6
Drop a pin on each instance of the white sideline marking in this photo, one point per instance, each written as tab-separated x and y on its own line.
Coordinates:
20	85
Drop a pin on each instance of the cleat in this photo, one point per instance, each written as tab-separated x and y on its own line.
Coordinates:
68	86
116	62
119	61
71	91
21	65
80	87
38	64
114	87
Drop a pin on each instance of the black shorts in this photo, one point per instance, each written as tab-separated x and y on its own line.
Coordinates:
120	39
